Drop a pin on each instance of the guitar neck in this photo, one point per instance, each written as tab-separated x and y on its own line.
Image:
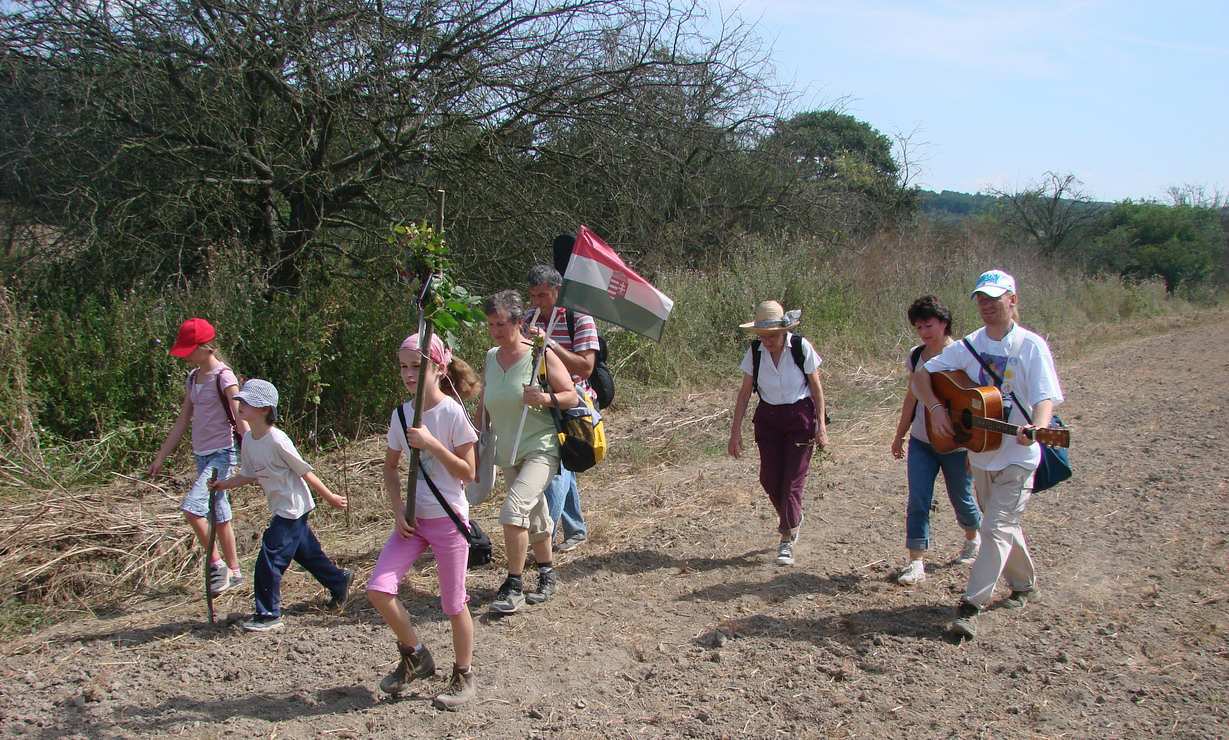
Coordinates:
994	425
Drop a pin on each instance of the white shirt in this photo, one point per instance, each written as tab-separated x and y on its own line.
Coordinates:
274	461
784	382
448	423
1023	360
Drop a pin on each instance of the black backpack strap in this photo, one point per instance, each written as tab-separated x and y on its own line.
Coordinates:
431	484
571	319
795	349
998	382
755	365
915	356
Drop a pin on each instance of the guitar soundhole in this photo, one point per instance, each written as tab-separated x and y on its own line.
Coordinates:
963	430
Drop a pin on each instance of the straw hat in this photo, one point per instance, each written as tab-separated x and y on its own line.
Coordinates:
771	318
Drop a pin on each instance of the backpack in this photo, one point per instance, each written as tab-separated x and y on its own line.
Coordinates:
795	351
601	380
230	413
580	429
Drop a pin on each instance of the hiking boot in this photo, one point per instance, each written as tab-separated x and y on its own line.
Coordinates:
339	599
965	624
413	664
510	597
968	551
913	574
262	623
571	543
785	553
1019	599
548	582
462	688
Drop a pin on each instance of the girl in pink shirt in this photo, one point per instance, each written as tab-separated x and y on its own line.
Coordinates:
446	440
209	406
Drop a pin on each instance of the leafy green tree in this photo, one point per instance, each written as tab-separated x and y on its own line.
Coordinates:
1183	245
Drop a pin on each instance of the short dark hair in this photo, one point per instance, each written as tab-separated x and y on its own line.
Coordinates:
930	307
506	302
270	416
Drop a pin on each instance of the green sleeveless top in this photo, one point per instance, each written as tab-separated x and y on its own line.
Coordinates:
501	396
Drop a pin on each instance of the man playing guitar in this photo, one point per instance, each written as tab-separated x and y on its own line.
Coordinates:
1003	477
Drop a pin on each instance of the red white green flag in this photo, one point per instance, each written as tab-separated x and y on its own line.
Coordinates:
599	284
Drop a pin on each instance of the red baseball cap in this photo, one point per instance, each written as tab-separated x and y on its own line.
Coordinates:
192	334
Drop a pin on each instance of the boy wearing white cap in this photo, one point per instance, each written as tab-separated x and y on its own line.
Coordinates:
1003	478
270	458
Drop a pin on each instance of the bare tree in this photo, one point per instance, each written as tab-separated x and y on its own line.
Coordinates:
1050	212
300	127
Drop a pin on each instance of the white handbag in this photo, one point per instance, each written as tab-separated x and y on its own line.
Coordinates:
479	490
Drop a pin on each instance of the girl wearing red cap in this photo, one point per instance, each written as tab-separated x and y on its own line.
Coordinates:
209	406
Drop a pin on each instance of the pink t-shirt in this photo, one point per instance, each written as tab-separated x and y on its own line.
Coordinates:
448	423
211	430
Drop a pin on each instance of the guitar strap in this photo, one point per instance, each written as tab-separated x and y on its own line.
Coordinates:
997	380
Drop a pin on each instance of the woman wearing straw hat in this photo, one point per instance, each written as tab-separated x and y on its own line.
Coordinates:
789	420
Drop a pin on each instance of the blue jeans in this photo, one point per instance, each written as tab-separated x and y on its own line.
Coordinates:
924	465
283	541
563	500
196	501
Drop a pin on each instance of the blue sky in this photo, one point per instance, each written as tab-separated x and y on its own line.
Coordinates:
1131	97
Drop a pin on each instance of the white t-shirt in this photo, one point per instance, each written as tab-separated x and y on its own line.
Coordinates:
783	383
275	462
448	423
1023	360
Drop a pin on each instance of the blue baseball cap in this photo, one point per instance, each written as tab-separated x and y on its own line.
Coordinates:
994	283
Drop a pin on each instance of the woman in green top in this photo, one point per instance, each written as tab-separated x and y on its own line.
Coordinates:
509	388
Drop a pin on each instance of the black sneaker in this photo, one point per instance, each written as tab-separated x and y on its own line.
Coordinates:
548	583
510	597
412	665
965	625
1019	599
339	599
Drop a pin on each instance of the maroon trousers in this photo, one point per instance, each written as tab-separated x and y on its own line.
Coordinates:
784	462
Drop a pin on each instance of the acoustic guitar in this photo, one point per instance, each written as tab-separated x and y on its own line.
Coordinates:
976	413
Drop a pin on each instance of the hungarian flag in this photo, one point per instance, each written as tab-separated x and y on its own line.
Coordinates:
599	284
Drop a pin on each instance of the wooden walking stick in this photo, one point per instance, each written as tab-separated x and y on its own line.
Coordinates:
212	538
426	330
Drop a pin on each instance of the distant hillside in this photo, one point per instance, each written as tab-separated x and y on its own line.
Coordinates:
950	205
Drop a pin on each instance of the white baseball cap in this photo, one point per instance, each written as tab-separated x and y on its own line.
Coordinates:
994	283
258	394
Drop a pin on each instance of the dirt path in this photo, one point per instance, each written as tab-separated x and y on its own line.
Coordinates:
675	621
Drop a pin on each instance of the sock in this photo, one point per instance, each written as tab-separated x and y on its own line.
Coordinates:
216	563
235	571
544	567
515	581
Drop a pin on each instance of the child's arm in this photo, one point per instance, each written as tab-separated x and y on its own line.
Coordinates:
460	462
321	490
392	491
232	482
172	437
241	425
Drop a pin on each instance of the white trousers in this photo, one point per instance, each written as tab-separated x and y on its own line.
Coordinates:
1002	496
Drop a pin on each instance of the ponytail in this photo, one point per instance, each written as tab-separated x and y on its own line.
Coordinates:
460	381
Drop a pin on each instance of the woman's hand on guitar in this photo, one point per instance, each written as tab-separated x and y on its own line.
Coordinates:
940	420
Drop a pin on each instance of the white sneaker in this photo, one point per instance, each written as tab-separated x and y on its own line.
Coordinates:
785	553
913	574
968	552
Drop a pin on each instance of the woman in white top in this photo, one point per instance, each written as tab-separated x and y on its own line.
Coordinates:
789	421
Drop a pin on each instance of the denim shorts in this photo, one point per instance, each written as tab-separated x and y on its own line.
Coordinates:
197	500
